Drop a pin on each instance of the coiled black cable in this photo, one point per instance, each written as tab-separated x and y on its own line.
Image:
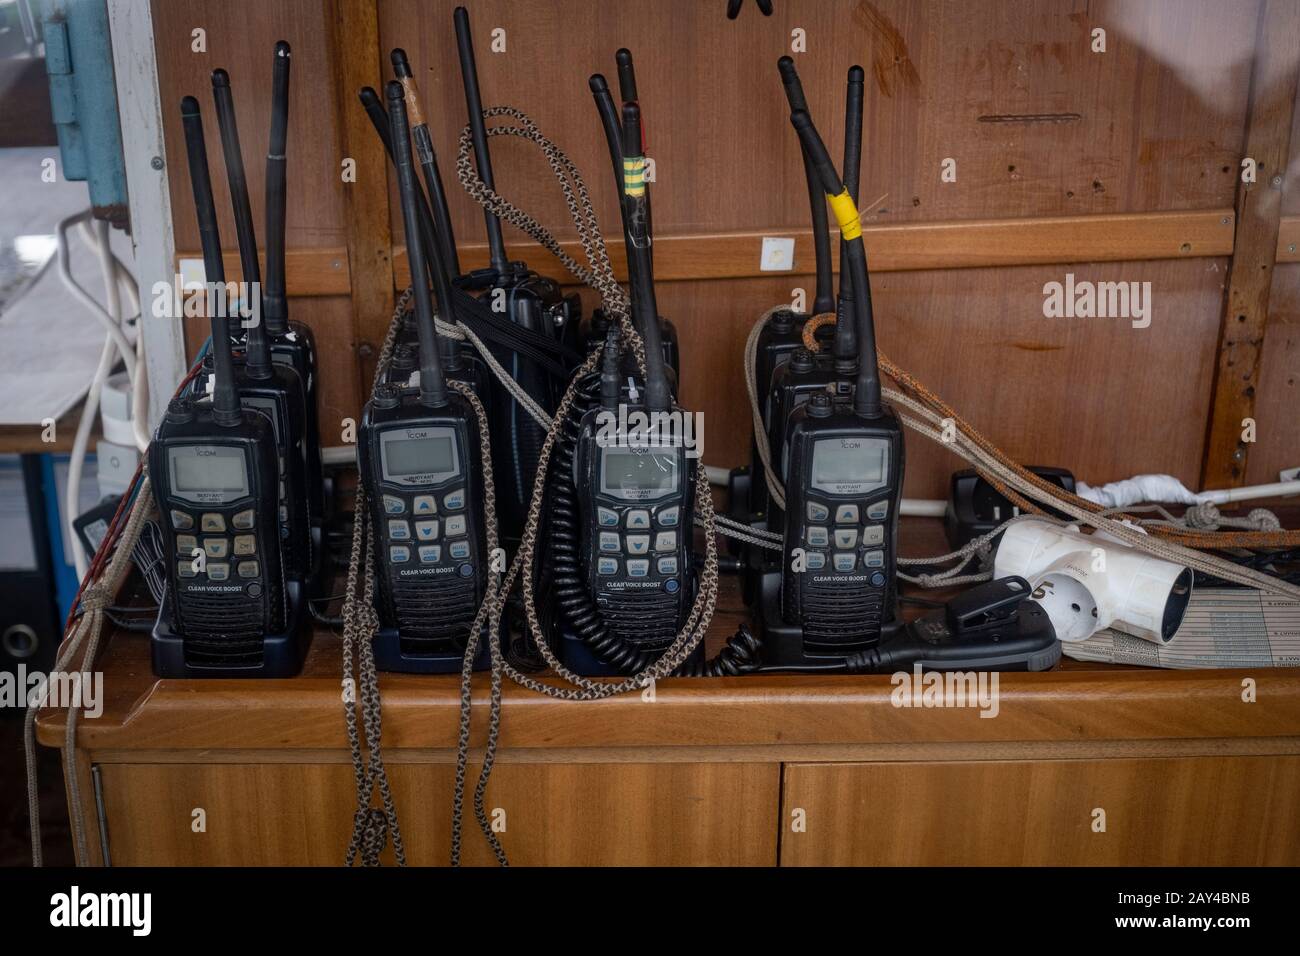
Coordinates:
569	588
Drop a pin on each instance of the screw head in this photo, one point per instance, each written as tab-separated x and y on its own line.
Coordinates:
156	162
1276	180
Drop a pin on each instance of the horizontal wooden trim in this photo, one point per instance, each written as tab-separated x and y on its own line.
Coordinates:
904	247
422	712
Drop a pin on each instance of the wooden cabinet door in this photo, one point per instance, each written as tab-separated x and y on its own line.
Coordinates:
663	814
1212	811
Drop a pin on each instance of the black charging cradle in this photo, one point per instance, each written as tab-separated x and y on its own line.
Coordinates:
282	654
390	657
783	644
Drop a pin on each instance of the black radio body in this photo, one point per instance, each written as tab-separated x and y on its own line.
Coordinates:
844	486
424	483
637	507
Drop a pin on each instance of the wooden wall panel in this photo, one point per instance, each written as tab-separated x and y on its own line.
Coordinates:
1277	400
1012	813
1095	395
1038	123
555	814
240	35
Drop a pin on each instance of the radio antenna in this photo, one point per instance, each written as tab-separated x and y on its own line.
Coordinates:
257	358
379	119
866	399
645	310
846	338
478	132
446	238
225	401
433	390
825	298
626	76
627	91
609	121
275	307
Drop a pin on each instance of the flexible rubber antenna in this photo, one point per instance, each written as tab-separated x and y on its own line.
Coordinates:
257	354
866	398
478	132
275	304
824	301
846	334
225	400
446	236
645	310
433	390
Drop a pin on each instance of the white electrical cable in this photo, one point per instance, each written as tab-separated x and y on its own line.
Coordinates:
116	281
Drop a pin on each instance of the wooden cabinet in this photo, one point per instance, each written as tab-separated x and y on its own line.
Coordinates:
579	814
705	771
1208	811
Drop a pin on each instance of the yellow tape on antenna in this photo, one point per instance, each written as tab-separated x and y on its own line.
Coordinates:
846	213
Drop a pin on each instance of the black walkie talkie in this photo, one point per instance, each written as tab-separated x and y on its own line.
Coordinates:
419	459
272	388
213	466
805	373
636	488
843	475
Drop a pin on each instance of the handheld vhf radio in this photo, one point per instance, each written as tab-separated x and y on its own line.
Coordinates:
272	388
843	476
804	373
635	480
533	302
419	459
214	471
783	332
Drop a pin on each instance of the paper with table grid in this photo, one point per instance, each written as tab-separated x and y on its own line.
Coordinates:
1223	627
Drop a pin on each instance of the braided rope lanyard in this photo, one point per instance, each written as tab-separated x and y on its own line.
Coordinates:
599	277
99	591
371	826
929	415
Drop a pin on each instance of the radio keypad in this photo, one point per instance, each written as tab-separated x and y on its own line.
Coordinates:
856	537
449	533
215	545
642	536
